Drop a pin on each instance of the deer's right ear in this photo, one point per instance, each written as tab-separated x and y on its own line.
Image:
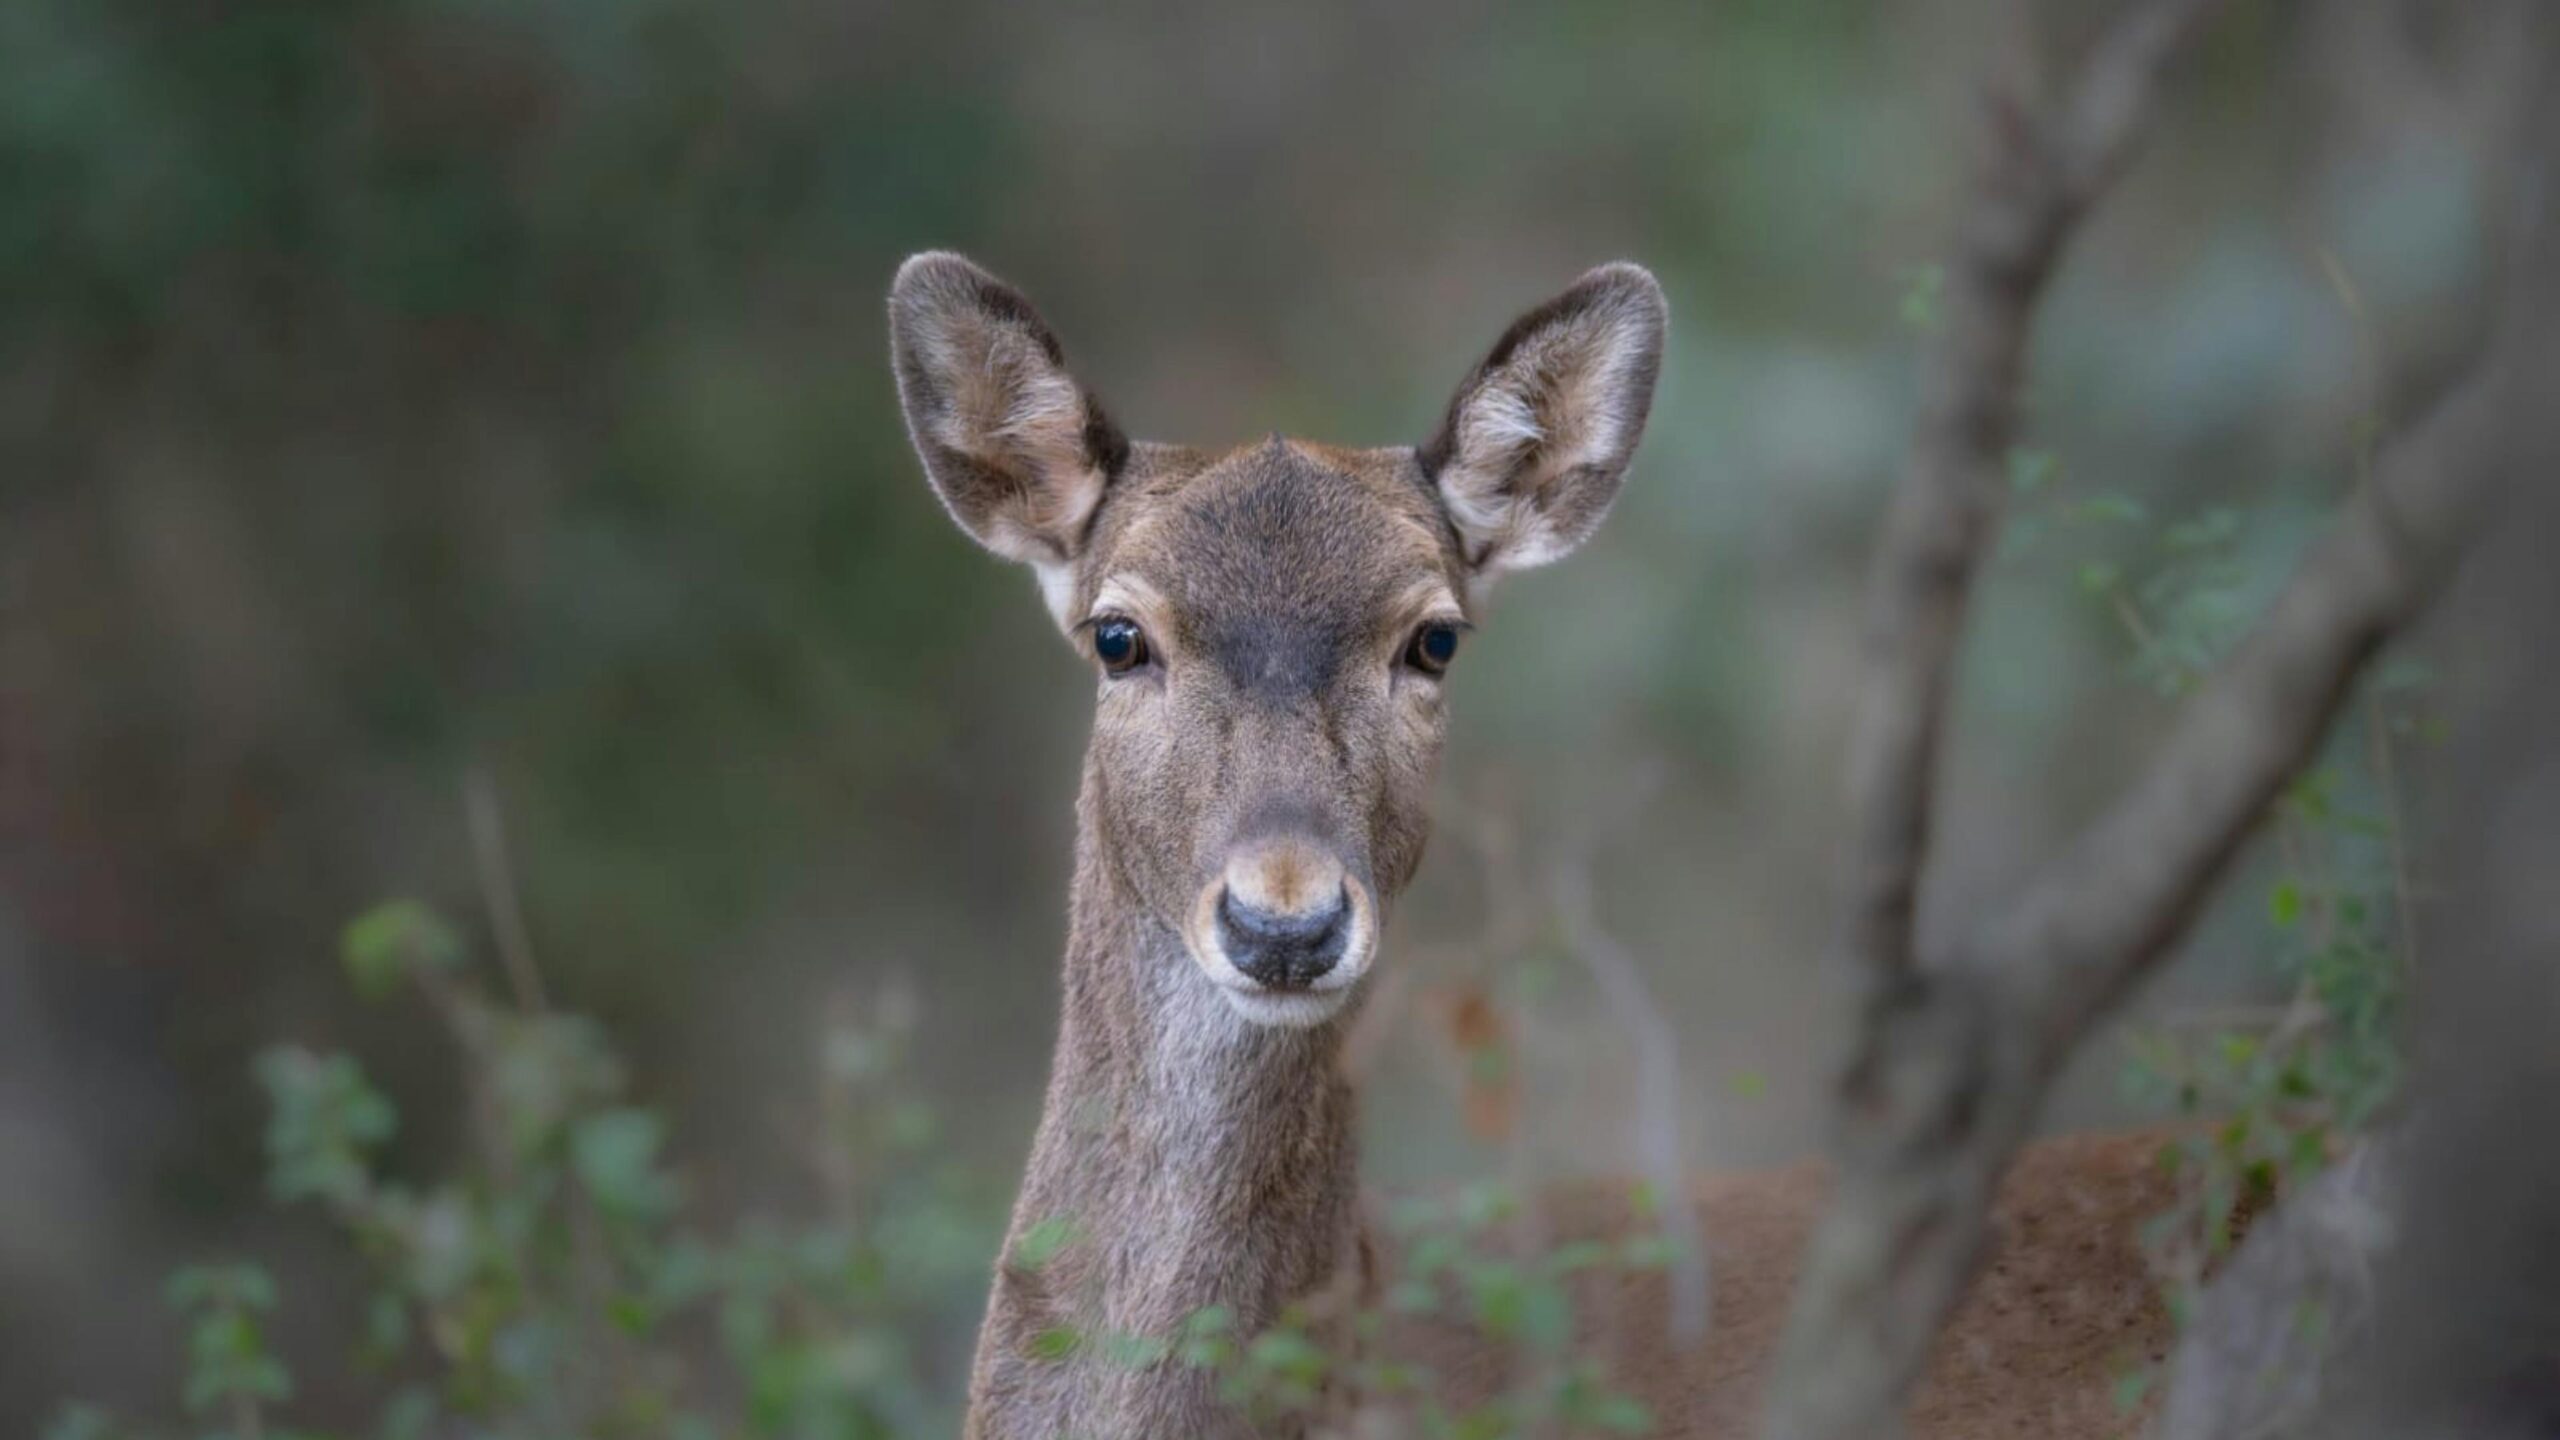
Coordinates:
1017	450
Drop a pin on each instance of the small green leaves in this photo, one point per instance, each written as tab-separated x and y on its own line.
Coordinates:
81	1422
323	1123
2213	529
228	1364
1586	1403
2031	469
1055	1343
2108	510
221	1287
1040	1242
555	1251
391	943
1924	289
615	1155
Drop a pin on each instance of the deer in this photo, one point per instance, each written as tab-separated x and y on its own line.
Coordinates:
1270	625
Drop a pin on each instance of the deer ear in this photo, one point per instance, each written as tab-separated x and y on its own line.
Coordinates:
1537	441
1017	450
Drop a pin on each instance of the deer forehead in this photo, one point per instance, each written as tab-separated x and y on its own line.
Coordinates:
1275	560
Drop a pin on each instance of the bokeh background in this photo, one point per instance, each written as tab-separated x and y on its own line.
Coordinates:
396	391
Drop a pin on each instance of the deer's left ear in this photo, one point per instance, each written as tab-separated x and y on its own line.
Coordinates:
1537	441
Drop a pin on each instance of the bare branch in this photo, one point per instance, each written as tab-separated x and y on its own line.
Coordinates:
1658	1089
2110	906
498	888
1952	1061
2031	187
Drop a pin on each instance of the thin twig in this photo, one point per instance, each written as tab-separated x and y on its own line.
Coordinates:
2403	894
498	889
1658	1085
1621	982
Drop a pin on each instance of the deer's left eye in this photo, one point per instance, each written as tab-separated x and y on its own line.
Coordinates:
1432	648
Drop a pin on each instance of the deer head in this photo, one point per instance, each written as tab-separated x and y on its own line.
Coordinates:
1269	624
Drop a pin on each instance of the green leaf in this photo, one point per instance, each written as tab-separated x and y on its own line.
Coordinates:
1648	1252
1616	1414
1923	290
2284	904
81	1422
2215	527
1208	1320
230	1286
386	1326
324	1120
2109	510
615	1154
1040	1242
2030	469
408	1415
1578	1255
1133	1352
393	941
1288	1354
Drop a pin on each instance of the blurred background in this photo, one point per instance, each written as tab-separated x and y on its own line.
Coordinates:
398	392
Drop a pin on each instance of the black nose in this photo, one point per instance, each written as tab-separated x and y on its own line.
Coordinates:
1283	951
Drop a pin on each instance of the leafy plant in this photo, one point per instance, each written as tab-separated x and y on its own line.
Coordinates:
2282	1086
555	1286
1462	1266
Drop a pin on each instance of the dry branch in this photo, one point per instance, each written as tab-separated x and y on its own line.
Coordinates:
1953	1057
2031	187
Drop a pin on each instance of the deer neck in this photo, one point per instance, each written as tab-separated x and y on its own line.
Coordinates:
1185	1158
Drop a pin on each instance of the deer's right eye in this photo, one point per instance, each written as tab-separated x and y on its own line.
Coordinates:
1119	644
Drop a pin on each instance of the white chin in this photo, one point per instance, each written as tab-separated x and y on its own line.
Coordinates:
1287	1009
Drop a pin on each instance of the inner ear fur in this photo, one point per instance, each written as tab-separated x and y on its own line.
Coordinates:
1535	444
1018	451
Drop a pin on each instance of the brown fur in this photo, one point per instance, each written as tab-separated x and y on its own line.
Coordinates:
1197	1144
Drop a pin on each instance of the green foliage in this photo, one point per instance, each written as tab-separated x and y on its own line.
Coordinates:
2282	1086
1464	1266
1924	289
229	1368
2287	1086
554	1286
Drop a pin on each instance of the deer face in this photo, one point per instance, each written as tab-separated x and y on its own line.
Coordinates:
1269	625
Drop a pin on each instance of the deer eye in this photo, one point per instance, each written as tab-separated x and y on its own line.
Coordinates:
1119	644
1433	647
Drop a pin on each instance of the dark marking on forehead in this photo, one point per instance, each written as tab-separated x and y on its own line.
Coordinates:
1281	567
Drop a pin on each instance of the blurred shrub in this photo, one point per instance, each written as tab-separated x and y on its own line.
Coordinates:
555	1286
2280	1089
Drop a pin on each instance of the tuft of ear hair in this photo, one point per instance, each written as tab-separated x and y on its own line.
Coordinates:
1536	442
1018	451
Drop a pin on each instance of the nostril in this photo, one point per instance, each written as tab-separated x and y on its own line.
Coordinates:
1246	918
1283	949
